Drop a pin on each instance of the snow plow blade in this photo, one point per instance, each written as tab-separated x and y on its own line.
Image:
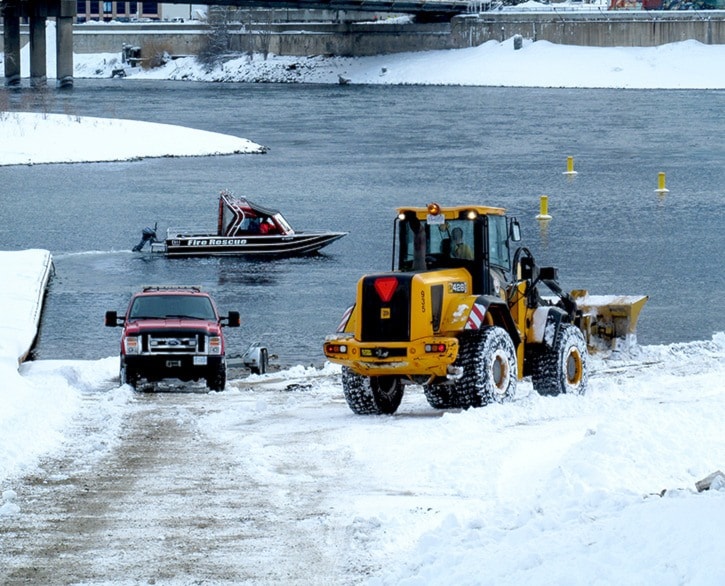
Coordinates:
609	322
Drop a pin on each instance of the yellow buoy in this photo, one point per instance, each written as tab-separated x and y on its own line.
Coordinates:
570	166
661	183
544	208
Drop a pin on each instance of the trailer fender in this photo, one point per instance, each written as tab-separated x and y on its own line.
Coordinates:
488	310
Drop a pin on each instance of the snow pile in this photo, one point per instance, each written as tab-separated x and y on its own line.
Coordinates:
688	64
38	138
543	490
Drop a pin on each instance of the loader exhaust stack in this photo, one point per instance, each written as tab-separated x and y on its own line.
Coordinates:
609	322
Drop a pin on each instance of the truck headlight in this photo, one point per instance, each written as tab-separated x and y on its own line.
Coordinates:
131	345
215	345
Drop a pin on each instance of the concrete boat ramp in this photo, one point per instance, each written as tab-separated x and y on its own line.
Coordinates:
25	277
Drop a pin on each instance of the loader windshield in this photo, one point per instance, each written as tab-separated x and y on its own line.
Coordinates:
425	246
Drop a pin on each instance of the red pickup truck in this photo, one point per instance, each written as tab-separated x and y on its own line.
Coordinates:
176	332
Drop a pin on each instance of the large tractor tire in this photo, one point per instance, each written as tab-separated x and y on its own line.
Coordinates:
562	368
371	395
490	369
440	395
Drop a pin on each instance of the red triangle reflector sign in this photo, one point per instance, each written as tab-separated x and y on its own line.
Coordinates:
385	287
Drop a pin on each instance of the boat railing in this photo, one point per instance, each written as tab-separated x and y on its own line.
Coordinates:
186	232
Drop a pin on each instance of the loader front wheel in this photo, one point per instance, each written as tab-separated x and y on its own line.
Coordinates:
490	370
563	368
371	395
440	395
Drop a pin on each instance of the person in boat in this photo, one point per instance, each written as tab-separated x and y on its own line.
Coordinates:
267	226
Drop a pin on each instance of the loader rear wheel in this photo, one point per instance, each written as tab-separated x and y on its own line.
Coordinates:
490	370
563	368
371	395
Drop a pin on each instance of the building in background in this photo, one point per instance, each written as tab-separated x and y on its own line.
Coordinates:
97	10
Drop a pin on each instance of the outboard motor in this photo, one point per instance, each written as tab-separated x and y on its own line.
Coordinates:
148	234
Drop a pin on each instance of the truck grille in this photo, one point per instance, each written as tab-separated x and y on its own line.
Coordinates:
386	321
164	343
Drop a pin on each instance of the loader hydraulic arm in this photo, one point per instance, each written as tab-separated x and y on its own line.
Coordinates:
548	276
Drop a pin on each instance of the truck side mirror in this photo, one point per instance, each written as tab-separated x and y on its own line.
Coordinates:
111	319
233	320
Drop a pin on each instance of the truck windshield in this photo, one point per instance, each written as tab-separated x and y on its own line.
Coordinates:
167	306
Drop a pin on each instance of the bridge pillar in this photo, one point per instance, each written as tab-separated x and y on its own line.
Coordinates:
38	52
11	42
64	42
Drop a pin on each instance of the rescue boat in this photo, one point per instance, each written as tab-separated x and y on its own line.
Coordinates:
243	228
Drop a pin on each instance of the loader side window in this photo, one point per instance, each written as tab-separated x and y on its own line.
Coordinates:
498	245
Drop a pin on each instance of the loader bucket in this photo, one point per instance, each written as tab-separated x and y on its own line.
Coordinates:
609	322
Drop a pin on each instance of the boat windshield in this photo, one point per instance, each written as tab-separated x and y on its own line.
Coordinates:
172	306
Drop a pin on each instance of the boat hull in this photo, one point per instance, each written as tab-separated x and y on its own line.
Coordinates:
298	244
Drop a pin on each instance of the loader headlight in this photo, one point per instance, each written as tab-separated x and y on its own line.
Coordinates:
335	348
472	214
131	345
435	348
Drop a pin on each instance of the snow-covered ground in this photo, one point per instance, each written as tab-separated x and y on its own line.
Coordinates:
557	490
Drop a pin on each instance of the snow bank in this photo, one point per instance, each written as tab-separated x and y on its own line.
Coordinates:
25	275
46	138
683	65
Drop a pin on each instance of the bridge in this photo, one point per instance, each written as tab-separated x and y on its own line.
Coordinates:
64	11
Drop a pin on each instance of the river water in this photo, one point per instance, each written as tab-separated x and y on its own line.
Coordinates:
342	158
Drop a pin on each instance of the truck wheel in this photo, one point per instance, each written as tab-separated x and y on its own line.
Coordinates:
490	369
371	395
217	380
129	376
563	368
440	396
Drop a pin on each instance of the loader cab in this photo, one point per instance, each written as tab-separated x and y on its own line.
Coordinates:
475	238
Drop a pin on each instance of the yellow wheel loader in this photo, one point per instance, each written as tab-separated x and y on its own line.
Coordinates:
461	314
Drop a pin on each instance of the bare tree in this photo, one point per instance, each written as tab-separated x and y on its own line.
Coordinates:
218	38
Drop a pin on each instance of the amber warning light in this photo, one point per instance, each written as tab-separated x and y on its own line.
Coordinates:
385	287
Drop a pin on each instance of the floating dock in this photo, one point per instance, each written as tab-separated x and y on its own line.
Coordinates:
26	274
